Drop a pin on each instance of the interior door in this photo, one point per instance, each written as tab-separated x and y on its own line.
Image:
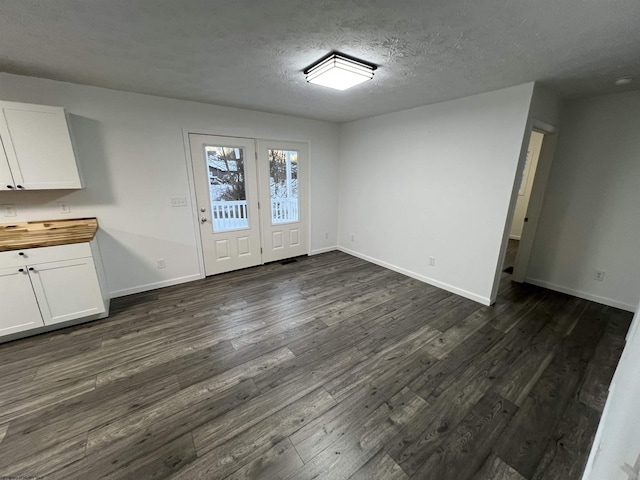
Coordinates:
283	174
225	174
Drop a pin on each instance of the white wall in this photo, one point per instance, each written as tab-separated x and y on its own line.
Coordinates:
132	154
435	181
529	174
590	218
617	442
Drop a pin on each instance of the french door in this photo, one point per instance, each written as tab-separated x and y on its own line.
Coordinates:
251	199
283	198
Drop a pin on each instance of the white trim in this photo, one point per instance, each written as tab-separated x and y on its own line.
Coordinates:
194	202
597	441
156	285
584	295
514	237
318	251
417	276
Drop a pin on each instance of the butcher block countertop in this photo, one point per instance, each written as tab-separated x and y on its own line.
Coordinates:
21	235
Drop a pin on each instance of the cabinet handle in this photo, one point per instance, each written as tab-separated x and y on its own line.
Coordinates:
31	269
19	186
10	187
21	254
21	270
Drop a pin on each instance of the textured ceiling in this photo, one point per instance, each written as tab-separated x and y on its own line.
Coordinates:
250	53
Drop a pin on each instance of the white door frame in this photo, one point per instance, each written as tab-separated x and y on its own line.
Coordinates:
534	208
224	132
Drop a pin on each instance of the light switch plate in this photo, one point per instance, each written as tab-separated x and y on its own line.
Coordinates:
178	201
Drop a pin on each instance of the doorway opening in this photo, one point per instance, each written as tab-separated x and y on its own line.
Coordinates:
522	203
529	190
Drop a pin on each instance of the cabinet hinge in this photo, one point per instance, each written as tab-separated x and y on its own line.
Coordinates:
258	205
260	249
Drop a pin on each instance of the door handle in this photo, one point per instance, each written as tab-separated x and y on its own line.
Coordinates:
203	220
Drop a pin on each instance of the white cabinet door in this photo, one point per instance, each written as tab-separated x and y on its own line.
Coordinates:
38	146
67	290
6	179
18	307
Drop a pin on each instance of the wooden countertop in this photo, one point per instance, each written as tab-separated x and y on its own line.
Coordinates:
17	236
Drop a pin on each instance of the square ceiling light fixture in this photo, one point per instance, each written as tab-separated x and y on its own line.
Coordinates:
339	71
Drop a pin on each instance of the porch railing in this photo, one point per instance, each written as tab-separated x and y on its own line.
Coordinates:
234	214
229	215
284	210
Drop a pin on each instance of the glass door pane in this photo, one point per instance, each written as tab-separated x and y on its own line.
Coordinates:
227	188
283	186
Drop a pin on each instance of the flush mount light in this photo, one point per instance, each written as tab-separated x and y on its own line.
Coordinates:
624	81
339	71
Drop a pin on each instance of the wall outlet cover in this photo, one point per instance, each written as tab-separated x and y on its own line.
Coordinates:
64	207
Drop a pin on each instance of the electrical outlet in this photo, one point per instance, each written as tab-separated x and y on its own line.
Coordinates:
599	276
9	210
353	237
178	201
432	261
64	207
161	263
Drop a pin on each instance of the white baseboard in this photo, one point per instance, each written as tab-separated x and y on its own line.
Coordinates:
318	251
154	286
422	278
584	295
514	237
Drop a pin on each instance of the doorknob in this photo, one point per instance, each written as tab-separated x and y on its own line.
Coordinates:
203	209
203	220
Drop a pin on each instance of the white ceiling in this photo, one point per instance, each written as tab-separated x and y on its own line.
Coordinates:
250	53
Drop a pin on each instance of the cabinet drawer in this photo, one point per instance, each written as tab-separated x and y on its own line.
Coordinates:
33	256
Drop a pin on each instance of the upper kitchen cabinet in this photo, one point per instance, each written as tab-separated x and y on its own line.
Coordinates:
37	152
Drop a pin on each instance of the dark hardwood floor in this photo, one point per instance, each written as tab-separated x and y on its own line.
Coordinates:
329	368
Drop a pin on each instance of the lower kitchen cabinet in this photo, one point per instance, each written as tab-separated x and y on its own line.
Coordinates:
18	306
49	285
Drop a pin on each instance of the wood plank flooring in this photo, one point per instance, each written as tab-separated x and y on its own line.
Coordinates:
326	368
